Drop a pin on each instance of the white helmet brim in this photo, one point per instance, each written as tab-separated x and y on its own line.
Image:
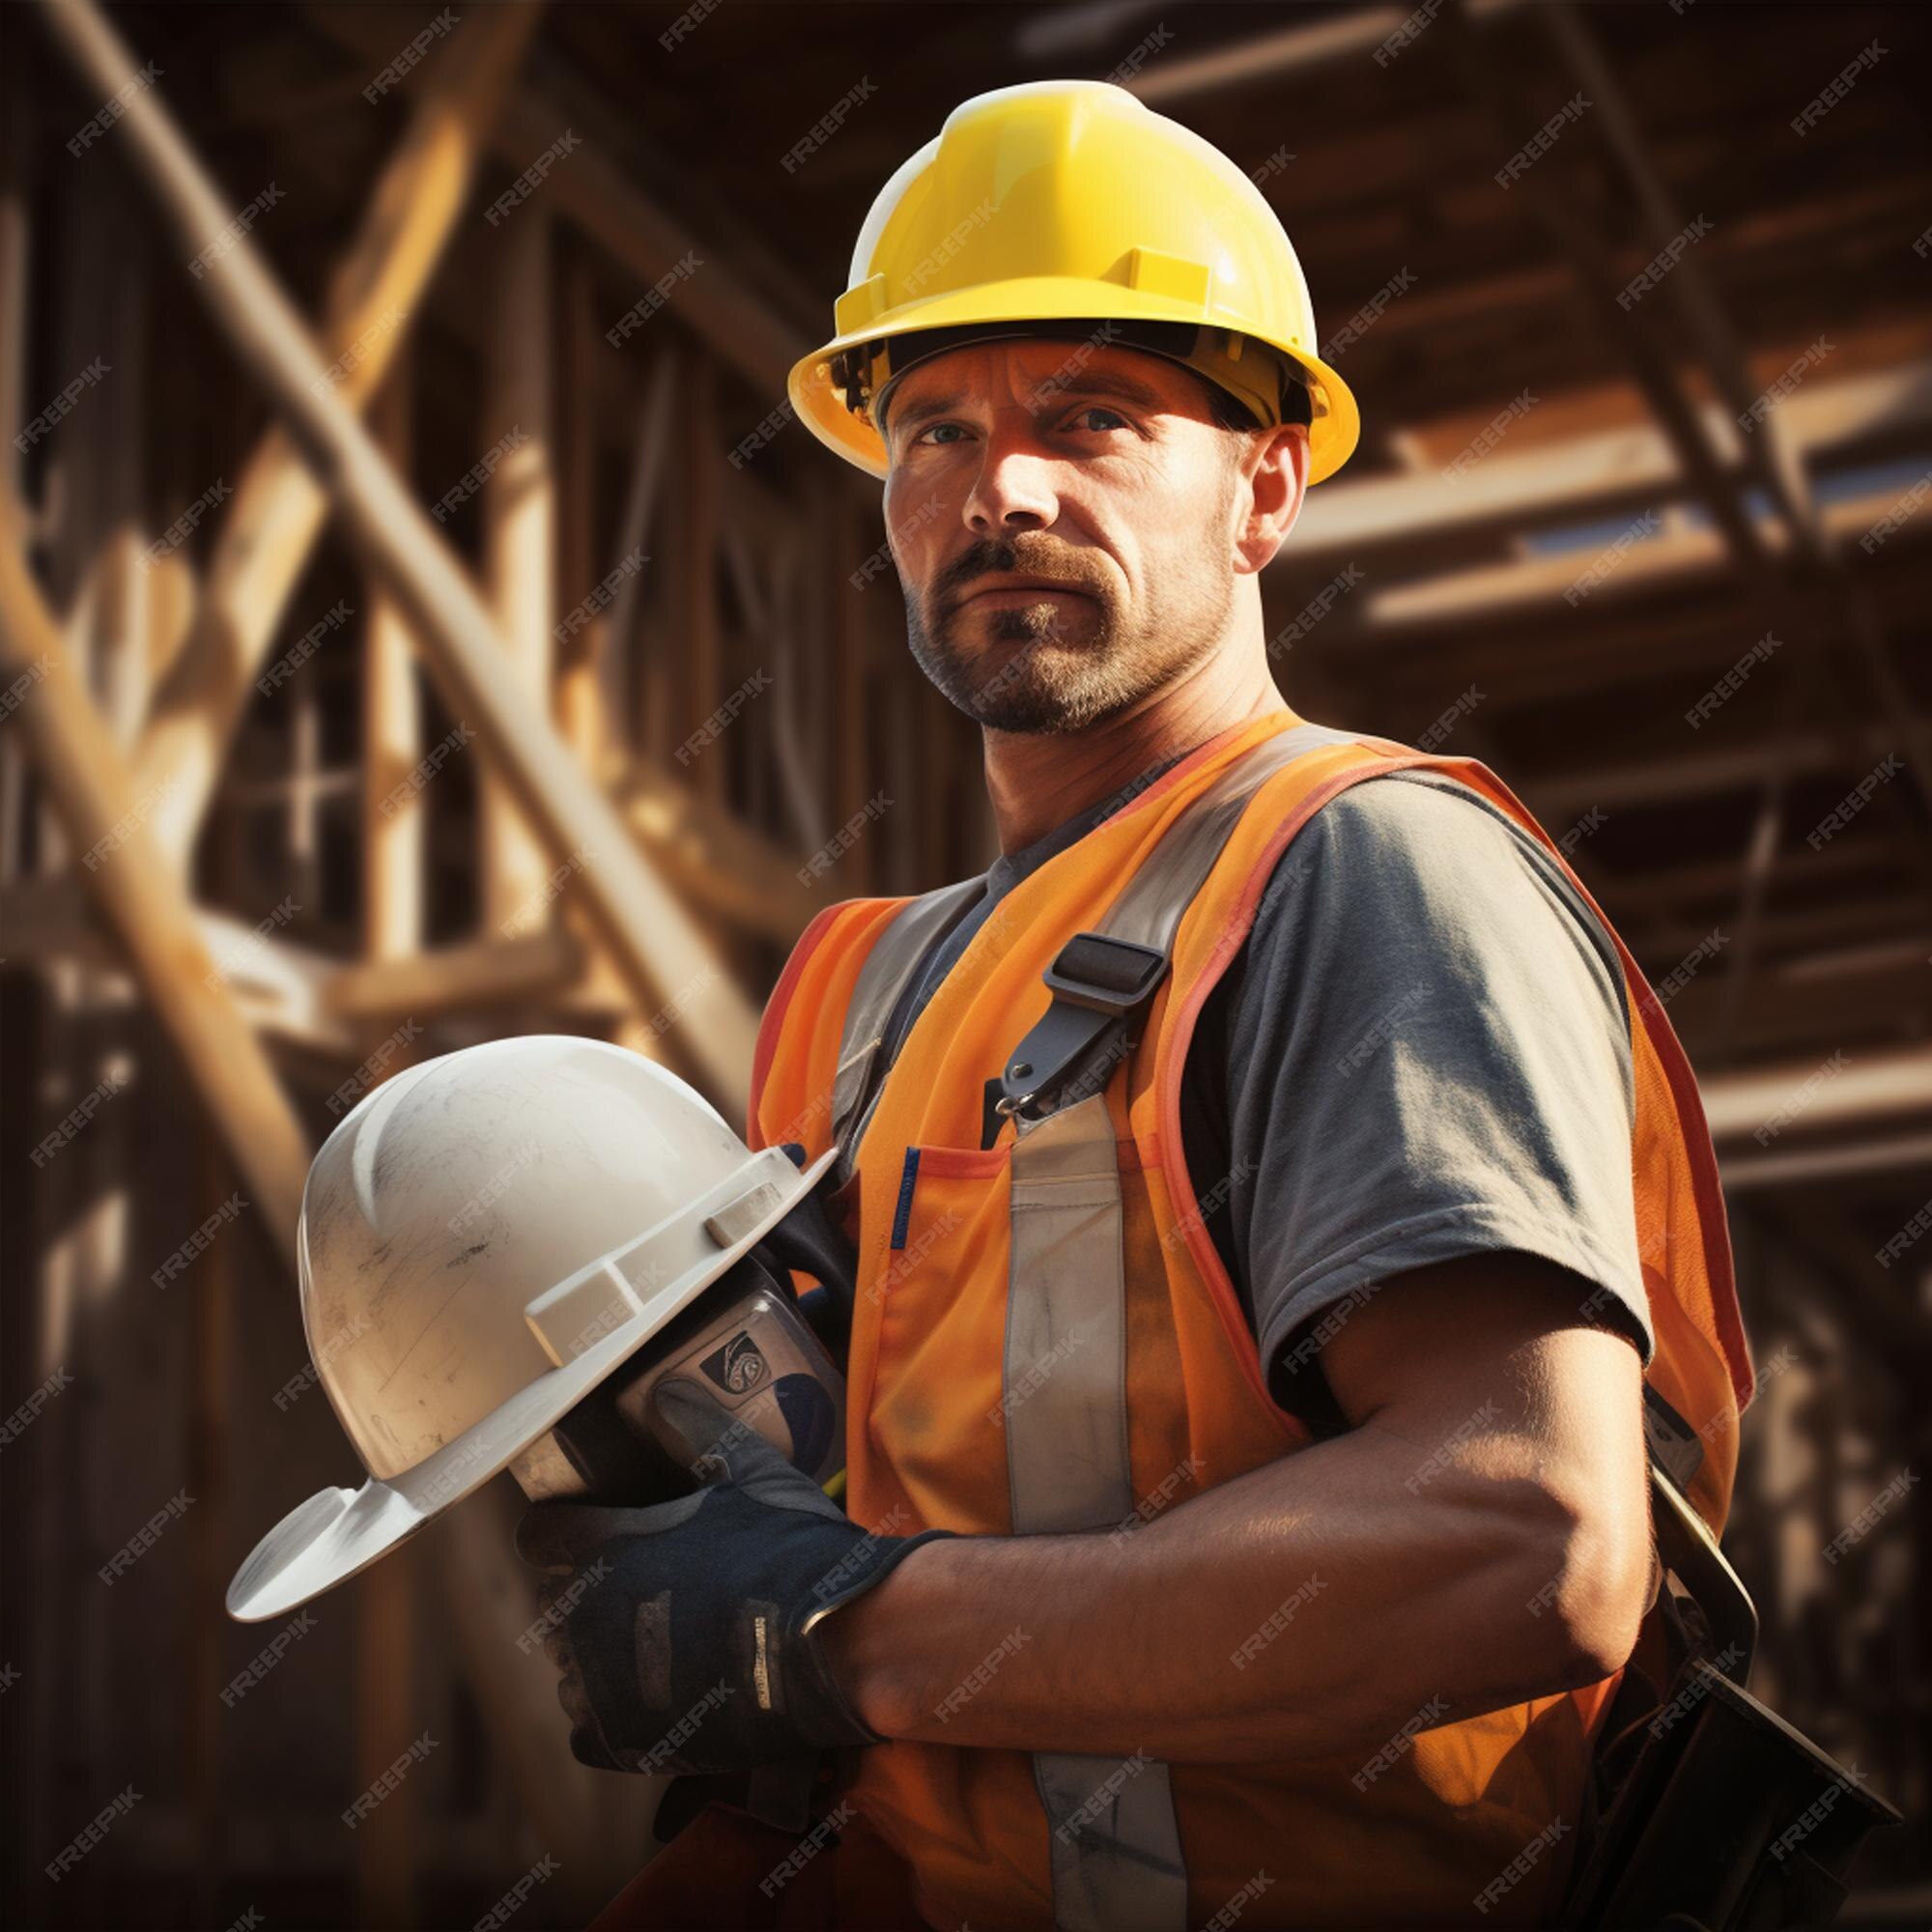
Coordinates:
338	1532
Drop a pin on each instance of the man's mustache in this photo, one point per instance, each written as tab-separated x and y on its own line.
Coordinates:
990	558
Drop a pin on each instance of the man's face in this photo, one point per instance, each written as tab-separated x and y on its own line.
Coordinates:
1094	471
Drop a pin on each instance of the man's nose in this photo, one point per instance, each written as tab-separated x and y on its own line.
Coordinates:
1014	489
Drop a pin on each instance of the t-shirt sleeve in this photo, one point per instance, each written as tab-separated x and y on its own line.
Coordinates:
1428	1057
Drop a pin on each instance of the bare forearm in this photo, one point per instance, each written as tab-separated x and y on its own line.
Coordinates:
1309	1609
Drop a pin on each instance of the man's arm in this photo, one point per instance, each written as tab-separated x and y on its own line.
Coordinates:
1479	1537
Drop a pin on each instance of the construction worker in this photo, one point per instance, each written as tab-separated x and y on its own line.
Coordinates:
1276	1194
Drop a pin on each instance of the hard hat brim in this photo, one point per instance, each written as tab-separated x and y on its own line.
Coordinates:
339	1532
1332	435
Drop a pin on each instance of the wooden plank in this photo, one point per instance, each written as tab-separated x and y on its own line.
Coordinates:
453	979
210	1434
699	658
720	864
638	681
1744	1173
580	711
276	984
1701	771
1869	1090
851	535
1516	588
1299	50
650	240
394	816
1582	479
390	1710
518	551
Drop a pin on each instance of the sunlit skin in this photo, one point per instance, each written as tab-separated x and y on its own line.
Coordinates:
1156	521
1158	524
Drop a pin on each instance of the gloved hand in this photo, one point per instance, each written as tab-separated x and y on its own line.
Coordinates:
679	1628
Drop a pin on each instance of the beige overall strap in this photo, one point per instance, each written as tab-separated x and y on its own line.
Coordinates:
895	955
1115	1845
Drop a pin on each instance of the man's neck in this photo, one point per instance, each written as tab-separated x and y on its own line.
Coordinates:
1036	782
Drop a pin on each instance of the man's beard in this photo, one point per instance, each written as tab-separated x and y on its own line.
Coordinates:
1041	674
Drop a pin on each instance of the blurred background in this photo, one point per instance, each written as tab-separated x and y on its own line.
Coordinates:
297	788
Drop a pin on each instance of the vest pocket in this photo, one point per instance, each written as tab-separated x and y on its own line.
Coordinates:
933	1292
939	1220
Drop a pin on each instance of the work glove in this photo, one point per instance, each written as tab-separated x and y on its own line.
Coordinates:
678	1628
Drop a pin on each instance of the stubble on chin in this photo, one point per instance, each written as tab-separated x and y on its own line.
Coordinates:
1031	680
1028	677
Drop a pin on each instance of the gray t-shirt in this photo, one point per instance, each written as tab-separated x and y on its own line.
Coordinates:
1419	1051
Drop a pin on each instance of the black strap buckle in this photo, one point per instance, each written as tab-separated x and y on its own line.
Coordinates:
1099	985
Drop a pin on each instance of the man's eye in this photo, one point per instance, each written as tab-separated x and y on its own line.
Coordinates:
931	428
1099	409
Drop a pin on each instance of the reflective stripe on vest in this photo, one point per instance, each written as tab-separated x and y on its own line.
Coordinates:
1116	1847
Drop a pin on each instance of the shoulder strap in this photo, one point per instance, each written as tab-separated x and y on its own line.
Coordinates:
1102	981
1144	917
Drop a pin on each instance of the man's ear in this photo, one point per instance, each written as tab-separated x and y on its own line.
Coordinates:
1274	471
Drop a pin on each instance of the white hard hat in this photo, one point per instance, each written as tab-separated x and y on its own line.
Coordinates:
483	1240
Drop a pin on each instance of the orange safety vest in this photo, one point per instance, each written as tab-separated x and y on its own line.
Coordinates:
1044	1337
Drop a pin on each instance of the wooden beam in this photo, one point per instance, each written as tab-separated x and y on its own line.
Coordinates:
650	241
394	818
1491	591
1584	479
1699	773
639	674
1868	1089
389	1711
1303	49
1863	1007
1895	1329
518	551
767	567
581	712
278	508
695	622
452	978
721	865
665	958
1817	931
276	986
1656	889
142	898
1744	1173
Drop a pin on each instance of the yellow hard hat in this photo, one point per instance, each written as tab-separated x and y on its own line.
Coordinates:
1064	200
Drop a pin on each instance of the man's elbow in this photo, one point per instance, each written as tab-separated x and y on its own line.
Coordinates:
1594	1557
